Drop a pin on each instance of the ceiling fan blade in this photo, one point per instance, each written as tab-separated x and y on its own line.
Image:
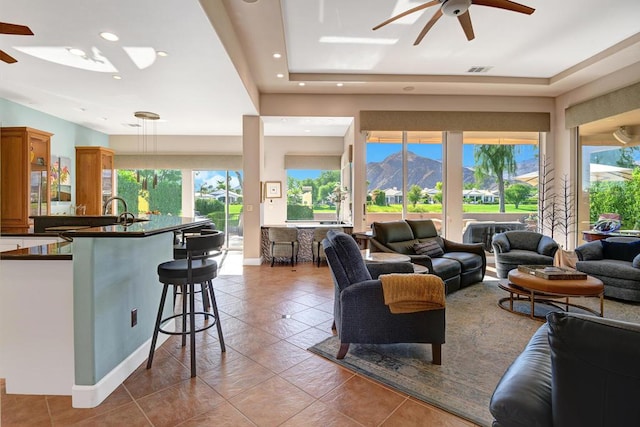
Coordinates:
4	56
465	22
19	30
505	4
407	12
427	27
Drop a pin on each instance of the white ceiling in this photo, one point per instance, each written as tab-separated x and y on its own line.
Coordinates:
197	90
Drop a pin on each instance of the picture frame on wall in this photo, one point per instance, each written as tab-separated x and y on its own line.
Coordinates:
273	190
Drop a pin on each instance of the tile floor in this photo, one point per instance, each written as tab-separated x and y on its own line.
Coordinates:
265	378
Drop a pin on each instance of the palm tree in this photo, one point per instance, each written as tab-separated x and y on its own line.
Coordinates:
494	160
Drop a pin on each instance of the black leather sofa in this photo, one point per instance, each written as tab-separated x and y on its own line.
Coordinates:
458	266
577	370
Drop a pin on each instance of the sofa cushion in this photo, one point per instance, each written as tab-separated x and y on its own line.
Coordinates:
623	251
469	261
392	231
523	394
524	257
445	268
422	228
431	248
526	240
636	261
610	268
596	375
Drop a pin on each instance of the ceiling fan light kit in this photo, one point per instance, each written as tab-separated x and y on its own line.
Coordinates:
455	7
458	9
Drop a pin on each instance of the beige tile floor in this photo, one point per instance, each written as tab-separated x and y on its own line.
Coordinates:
266	377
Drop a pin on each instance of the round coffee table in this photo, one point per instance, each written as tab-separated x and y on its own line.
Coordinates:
527	287
369	256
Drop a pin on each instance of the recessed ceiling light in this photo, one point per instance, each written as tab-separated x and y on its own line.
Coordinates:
277	55
162	53
302	84
109	36
280	75
307	130
339	84
76	51
117	77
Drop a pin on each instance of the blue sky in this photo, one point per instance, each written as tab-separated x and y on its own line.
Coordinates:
378	152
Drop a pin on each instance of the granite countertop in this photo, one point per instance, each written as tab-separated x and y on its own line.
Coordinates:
147	226
52	251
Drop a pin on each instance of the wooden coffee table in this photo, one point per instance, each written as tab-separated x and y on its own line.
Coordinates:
527	287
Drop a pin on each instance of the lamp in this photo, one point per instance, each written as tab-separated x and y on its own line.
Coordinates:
622	135
144	138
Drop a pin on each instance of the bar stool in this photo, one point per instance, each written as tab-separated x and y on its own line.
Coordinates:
180	252
196	268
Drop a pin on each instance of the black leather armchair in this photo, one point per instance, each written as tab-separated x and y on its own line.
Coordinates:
577	370
360	313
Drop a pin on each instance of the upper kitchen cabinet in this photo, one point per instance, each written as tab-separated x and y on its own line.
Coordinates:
94	178
24	177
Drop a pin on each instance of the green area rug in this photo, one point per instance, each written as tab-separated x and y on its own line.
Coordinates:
481	342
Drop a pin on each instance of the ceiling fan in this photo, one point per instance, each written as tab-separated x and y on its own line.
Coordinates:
14	29
459	9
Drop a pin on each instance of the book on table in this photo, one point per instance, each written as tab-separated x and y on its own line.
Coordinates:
550	272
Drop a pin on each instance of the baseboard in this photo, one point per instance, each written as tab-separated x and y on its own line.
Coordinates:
90	396
252	261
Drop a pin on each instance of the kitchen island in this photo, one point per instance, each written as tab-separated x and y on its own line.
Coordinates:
66	322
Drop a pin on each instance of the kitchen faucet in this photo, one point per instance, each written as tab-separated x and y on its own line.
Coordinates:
111	199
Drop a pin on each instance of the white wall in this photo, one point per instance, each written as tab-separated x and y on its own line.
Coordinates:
275	148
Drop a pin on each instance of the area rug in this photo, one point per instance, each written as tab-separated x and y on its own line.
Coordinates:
481	342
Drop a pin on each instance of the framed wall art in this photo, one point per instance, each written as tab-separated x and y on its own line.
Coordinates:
272	190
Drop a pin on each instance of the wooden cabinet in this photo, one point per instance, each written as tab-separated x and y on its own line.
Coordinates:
24	176
94	178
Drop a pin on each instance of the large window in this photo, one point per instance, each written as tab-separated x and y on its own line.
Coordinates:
151	191
610	182
218	196
404	163
314	195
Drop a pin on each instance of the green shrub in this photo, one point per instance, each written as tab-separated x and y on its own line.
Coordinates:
299	212
207	206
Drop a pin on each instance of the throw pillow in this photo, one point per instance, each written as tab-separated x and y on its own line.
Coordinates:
623	251
636	261
431	248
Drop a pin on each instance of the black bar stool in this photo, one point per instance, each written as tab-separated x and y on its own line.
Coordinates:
180	252
197	268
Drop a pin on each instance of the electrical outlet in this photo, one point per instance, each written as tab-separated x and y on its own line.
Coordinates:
134	317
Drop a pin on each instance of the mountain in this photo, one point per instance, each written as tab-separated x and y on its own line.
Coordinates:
422	171
426	172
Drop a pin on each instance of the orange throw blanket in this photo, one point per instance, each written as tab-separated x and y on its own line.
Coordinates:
408	293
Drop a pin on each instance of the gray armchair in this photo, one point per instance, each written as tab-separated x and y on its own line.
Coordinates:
283	242
360	313
514	248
